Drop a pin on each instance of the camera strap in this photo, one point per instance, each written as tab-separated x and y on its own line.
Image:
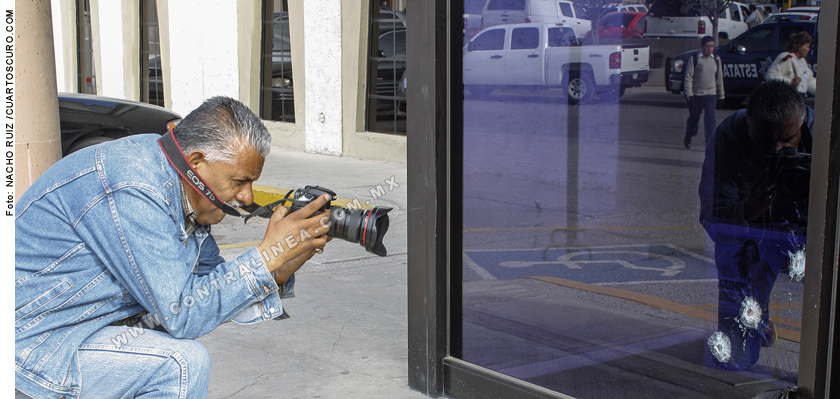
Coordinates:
178	160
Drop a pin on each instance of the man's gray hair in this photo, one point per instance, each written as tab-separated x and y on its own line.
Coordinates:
771	104
220	128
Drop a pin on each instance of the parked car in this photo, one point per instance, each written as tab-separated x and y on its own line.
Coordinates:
538	56
812	9
473	17
88	120
746	58
621	24
791	16
672	18
498	12
624	7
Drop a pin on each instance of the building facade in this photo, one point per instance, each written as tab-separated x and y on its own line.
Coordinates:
177	54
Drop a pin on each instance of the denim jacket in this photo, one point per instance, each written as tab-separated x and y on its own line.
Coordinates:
100	237
731	167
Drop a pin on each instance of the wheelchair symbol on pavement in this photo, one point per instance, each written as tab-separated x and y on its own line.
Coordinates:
573	260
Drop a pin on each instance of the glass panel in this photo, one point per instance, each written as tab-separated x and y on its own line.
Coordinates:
525	38
609	250
386	72
151	83
506	5
566	10
760	39
278	84
579	12
87	74
784	36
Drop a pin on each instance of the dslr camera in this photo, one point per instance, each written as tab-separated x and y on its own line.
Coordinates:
791	172
366	227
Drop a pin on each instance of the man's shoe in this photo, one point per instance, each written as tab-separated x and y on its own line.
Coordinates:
687	142
768	338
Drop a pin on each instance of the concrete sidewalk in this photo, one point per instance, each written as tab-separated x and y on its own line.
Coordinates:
347	337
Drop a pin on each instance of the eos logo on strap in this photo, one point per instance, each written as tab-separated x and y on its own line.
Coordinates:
195	180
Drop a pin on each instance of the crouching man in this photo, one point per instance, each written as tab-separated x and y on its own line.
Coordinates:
116	270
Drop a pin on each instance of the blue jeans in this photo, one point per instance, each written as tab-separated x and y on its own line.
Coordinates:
114	363
705	105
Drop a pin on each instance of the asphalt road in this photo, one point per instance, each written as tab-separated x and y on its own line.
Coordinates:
580	175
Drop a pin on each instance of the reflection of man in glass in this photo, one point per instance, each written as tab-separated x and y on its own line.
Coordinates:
739	183
754	185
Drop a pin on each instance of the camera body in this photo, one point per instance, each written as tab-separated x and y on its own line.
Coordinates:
791	173
304	196
366	227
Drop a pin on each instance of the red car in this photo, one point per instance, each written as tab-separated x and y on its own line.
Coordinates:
622	24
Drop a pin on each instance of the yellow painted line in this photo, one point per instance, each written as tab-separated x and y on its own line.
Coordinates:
785	321
707	306
794	336
779	320
773	305
688	310
786	305
567	228
267	194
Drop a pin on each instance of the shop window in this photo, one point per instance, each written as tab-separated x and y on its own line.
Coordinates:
386	106
151	76
278	100
84	44
605	251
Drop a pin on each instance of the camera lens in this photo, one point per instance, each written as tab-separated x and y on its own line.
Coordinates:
793	174
367	227
794	183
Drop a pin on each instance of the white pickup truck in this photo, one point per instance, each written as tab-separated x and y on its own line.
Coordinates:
671	18
536	56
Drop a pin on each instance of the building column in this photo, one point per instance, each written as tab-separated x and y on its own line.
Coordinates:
322	61
37	131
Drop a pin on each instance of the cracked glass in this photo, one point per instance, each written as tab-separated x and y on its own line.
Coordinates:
634	223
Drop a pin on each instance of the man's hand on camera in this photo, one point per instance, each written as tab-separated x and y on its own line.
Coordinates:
761	196
291	239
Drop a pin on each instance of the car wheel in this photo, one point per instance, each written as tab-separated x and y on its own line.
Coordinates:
87	142
480	91
579	87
